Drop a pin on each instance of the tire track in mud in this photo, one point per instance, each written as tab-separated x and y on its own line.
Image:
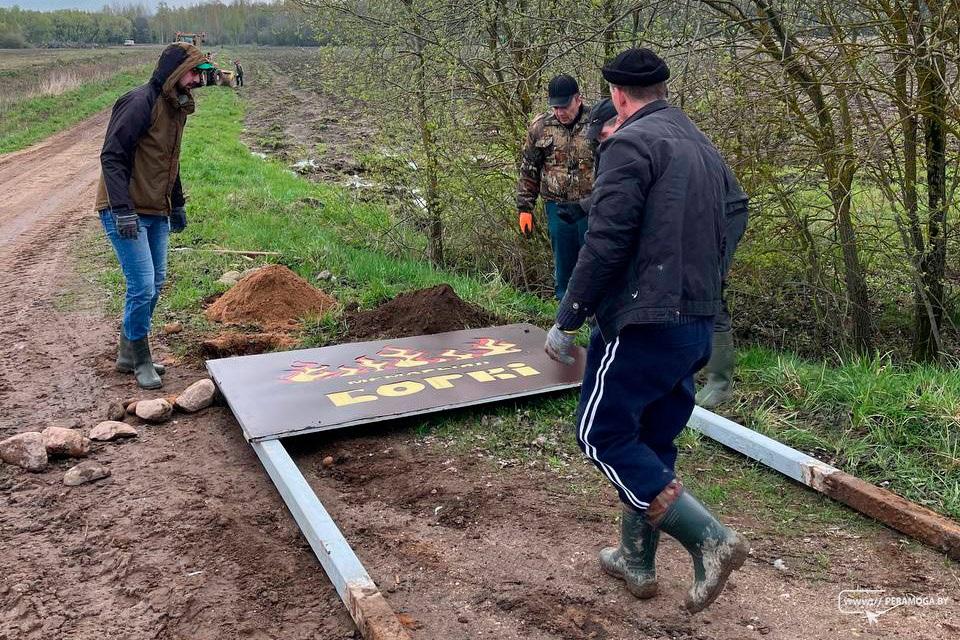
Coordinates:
49	191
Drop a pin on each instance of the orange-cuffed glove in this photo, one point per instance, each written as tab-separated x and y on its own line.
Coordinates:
526	224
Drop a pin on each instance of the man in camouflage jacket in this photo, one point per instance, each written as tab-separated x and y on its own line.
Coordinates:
557	165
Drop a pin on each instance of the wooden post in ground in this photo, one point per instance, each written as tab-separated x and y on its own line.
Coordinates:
918	522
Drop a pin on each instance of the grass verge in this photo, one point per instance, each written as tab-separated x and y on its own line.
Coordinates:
34	119
240	201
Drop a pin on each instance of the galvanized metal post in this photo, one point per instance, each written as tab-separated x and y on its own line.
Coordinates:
368	608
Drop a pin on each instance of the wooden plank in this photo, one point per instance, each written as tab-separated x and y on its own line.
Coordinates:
896	512
918	522
368	608
229	252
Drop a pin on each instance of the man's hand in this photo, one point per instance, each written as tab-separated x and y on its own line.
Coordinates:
526	224
128	224
178	219
559	344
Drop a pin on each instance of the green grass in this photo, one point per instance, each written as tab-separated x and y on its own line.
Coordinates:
866	416
238	201
894	425
36	118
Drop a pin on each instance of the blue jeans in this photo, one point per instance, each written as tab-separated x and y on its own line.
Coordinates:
566	240
144	264
636	398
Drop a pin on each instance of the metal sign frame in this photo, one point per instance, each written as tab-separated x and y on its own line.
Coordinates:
288	393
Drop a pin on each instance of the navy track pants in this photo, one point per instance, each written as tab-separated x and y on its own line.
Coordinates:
637	396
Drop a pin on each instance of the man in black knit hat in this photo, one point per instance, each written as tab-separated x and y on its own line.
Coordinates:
650	271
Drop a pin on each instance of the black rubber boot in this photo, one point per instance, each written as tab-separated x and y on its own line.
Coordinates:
723	359
143	369
633	560
125	358
716	550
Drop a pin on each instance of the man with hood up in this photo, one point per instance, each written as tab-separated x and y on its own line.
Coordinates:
140	198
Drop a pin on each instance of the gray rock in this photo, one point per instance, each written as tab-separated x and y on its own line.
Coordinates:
158	410
116	411
197	396
324	275
112	430
62	442
230	278
86	471
247	272
25	450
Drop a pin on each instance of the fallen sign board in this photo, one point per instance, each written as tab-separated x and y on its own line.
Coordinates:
275	395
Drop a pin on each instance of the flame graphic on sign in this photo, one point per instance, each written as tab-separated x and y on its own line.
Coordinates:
393	358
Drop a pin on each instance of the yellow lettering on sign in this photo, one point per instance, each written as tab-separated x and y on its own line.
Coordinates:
481	376
400	389
442	382
344	398
523	369
501	374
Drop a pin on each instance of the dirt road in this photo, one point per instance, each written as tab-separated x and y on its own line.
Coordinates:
188	538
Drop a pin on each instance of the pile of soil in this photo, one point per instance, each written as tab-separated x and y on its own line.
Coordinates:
418	313
273	297
233	343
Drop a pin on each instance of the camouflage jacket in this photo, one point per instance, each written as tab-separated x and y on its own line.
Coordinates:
557	161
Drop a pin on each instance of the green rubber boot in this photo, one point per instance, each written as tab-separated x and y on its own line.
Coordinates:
143	369
633	560
717	551
125	358
723	359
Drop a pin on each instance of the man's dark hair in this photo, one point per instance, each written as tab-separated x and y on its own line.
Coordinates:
649	93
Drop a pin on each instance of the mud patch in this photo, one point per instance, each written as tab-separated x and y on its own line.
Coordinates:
234	343
554	612
273	297
418	313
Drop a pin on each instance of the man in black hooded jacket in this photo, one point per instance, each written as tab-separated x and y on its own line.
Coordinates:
140	197
650	271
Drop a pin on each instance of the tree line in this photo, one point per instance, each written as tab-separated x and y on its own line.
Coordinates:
237	23
840	117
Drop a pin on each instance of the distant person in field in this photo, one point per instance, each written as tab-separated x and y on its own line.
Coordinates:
208	74
557	165
239	72
650	271
140	197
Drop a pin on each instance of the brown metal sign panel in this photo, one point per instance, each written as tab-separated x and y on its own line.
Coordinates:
275	395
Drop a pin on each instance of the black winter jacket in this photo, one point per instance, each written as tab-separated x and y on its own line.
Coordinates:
654	247
140	158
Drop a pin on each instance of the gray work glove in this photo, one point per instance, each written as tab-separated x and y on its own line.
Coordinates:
178	219
128	224
559	345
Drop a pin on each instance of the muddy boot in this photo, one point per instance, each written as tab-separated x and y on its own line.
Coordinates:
716	550
633	560
125	358
723	359
146	373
